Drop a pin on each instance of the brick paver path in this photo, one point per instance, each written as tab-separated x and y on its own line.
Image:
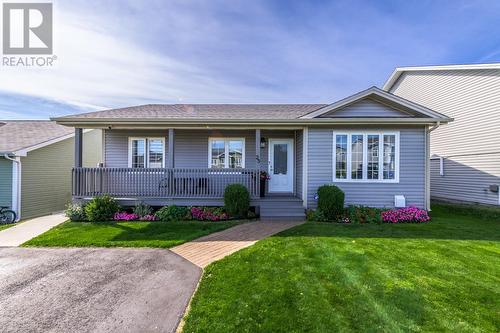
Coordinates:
205	250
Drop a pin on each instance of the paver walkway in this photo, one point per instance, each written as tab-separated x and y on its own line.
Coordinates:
23	232
205	250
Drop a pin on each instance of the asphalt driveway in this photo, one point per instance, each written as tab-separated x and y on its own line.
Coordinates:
93	290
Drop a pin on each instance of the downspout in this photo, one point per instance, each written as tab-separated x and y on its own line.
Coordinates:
427	164
16	188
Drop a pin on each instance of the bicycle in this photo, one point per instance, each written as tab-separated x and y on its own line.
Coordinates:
6	215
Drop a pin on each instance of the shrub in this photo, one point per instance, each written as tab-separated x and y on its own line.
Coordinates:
316	216
331	202
408	214
149	217
209	214
141	209
236	200
172	213
124	216
75	212
363	214
101	208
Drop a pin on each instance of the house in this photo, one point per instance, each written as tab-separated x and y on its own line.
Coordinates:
35	162
373	145
465	156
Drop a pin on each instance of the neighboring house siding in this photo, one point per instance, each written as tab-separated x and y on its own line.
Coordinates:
471	143
366	108
5	182
411	177
46	174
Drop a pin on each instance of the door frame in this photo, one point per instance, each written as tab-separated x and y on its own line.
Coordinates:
291	170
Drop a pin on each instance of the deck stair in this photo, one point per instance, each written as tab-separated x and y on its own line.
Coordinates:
281	208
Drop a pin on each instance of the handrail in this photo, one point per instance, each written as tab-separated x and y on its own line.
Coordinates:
162	182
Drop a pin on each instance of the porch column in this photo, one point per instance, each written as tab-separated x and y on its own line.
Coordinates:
257	148
171	138
78	147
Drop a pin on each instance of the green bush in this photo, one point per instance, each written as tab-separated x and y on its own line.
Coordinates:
316	216
236	200
331	202
141	209
101	208
363	214
172	213
76	212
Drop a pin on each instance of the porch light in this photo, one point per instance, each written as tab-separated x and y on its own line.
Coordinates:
262	142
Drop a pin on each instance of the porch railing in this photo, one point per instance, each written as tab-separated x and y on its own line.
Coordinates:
161	182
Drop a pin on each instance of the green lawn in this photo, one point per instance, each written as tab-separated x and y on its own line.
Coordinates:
127	234
5	226
439	277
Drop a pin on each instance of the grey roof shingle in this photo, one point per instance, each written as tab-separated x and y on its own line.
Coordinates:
21	134
205	111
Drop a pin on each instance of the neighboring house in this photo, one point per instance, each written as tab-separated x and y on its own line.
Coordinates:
465	156
187	154
35	165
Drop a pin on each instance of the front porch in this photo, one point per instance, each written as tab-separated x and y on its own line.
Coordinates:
191	166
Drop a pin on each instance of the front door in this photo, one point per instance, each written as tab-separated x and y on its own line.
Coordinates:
281	165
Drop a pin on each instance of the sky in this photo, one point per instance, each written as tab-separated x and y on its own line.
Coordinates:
120	53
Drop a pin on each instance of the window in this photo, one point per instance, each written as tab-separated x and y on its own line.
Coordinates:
366	156
146	153
226	153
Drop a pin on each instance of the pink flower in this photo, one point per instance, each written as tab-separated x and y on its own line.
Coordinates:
407	214
124	216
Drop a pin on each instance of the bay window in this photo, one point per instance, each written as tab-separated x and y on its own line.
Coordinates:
366	156
226	153
146	153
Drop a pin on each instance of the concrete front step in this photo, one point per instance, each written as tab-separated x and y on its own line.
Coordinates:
284	208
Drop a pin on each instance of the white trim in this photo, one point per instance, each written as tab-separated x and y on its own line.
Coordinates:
226	150
290	158
305	151
146	148
25	151
381	134
374	91
398	71
16	185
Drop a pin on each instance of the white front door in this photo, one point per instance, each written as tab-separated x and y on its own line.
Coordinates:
281	165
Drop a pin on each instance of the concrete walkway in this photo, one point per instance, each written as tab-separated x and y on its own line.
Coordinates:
205	250
23	232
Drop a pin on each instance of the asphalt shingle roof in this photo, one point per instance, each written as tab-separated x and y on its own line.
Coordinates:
205	111
21	134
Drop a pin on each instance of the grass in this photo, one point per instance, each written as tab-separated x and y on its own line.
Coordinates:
126	234
443	276
5	226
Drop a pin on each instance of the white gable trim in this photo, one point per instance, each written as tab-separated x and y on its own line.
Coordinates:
374	91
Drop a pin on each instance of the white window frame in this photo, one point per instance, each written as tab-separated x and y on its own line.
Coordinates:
146	157
365	134
226	151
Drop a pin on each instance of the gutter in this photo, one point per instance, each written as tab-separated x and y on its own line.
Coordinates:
427	164
16	184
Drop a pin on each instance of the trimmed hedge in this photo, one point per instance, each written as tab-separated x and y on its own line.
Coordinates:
331	202
236	200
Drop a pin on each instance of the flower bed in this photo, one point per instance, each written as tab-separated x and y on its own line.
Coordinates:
208	214
405	215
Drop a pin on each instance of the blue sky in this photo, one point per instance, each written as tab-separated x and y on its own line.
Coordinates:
122	53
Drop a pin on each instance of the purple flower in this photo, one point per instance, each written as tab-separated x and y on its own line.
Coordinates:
407	214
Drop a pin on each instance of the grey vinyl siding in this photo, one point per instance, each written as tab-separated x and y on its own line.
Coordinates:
299	145
466	177
468	144
5	182
411	177
366	108
46	174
